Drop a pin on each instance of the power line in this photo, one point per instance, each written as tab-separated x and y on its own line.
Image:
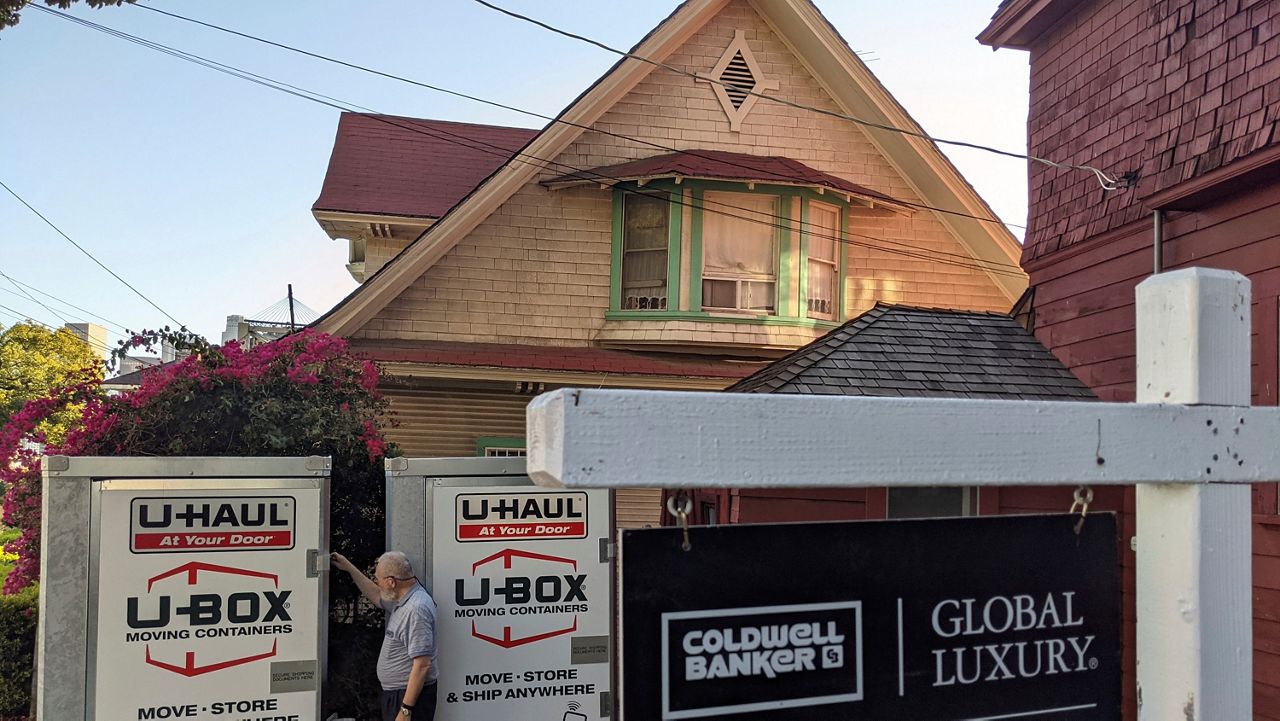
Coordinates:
81	248
1107	182
505	106
32	298
26	286
25	317
505	153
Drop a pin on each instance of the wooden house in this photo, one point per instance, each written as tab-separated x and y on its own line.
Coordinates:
1180	101
669	230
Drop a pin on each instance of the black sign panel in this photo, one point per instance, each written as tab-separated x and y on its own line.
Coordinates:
1008	617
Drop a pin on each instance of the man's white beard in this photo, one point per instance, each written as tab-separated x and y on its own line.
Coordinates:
387	595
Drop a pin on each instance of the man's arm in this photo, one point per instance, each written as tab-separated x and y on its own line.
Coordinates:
417	679
366	586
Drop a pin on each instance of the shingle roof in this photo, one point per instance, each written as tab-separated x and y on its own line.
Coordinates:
390	165
903	351
722	165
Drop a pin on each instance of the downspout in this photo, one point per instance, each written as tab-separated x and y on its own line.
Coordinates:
1157	249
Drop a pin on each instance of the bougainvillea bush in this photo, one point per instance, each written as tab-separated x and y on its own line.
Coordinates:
305	394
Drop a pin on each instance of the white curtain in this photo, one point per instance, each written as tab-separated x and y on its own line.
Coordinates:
738	232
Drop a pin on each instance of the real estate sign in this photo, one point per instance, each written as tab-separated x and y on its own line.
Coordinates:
966	618
206	602
522	583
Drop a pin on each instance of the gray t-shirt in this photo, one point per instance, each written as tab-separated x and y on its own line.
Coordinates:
411	632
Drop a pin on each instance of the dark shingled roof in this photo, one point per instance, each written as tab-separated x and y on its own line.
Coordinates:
921	352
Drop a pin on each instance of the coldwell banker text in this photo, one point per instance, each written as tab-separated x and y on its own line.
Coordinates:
764	650
997	660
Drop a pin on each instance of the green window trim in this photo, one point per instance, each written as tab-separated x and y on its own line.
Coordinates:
675	217
788	303
483	443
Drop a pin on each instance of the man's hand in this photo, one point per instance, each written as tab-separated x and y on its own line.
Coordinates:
366	585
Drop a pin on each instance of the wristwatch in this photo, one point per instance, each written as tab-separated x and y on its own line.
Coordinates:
406	709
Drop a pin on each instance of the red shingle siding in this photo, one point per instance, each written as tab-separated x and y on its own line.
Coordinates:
1169	89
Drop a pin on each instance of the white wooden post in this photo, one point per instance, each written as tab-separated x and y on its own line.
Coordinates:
1194	588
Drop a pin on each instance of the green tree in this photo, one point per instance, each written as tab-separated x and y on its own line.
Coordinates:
9	9
34	360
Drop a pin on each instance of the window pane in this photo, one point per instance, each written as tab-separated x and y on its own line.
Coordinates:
738	232
926	502
824	228
720	294
644	280
644	222
757	296
822	286
644	252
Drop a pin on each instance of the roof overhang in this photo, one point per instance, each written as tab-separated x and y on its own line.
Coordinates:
1020	22
849	196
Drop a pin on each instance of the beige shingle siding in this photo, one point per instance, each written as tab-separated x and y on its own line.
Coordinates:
537	270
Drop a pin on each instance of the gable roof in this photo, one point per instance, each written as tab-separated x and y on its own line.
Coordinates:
894	350
392	165
724	165
812	39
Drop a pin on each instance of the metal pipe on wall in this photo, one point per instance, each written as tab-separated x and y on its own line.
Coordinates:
1157	250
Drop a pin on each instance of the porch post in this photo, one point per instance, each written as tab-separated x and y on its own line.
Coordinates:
1194	586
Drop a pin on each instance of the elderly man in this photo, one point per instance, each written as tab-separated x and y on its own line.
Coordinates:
407	663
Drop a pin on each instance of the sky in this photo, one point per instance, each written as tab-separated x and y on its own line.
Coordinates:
196	187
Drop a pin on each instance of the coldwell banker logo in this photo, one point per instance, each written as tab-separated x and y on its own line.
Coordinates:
740	660
187	606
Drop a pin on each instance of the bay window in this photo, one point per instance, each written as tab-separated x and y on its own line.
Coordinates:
728	252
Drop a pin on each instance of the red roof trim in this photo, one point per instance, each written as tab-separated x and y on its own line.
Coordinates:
554	358
721	165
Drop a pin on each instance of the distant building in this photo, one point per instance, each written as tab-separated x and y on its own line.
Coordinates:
268	324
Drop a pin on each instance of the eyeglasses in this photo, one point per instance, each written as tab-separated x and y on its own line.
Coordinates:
380	579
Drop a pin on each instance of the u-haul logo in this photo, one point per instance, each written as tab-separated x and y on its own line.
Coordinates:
520	516
222	523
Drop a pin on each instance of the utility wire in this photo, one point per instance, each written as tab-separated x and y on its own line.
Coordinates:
81	248
69	304
26	317
504	106
506	153
1107	182
32	298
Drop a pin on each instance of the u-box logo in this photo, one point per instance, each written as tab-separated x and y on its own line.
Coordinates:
741	660
198	618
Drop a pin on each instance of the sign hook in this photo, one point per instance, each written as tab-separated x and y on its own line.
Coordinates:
680	505
1083	497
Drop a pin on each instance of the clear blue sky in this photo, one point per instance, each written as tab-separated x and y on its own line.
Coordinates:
197	187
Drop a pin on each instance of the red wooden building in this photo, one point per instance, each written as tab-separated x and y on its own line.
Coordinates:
1180	99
